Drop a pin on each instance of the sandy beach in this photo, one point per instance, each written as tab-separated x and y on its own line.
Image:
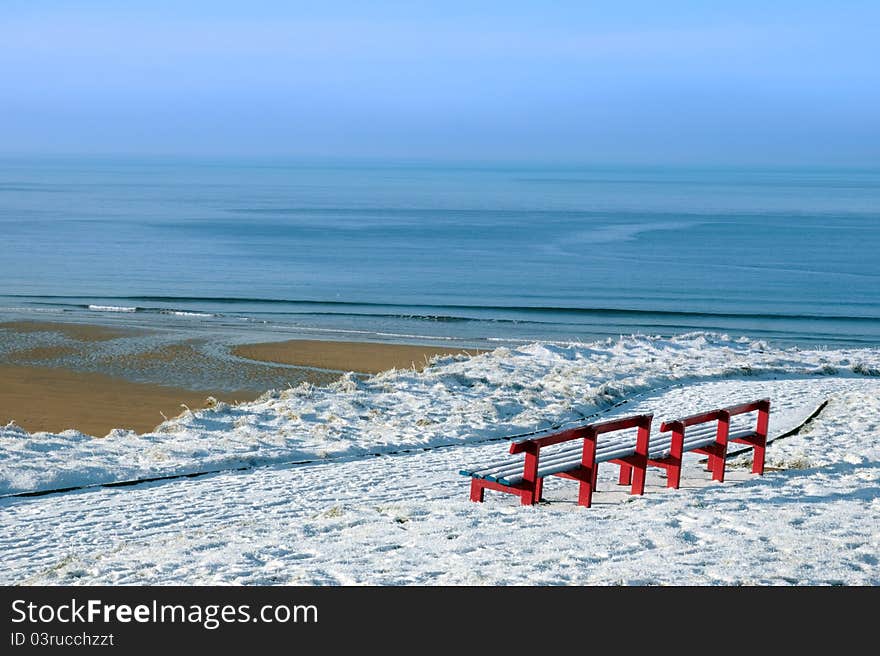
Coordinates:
56	399
361	357
59	376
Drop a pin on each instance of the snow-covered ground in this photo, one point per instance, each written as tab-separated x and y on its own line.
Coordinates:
376	498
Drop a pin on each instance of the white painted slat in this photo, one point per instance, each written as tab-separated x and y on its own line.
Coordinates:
606	451
516	466
663	445
567	464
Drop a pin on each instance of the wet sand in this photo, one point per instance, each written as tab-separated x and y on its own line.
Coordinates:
363	357
75	331
65	376
54	399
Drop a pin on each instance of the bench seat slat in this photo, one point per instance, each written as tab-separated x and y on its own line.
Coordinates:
662	446
616	448
561	464
577	447
573	462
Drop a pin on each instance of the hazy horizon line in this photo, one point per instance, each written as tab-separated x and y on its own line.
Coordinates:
428	160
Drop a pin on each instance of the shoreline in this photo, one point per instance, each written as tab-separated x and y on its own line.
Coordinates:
57	376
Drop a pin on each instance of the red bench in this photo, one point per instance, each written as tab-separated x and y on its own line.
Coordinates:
578	462
667	451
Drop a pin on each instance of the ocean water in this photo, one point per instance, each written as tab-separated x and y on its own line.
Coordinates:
464	254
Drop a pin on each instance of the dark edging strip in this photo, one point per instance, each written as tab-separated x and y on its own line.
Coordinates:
794	431
137	481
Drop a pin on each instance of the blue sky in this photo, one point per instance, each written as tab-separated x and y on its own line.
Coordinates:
615	82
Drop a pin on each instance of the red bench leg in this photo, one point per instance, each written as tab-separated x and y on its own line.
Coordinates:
588	467
626	475
641	456
719	460
673	469
533	485
760	454
477	491
761	439
638	484
719	466
585	494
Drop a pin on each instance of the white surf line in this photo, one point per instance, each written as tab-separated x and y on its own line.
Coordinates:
415	449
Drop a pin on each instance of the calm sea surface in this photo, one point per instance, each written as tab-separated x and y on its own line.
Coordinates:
470	253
